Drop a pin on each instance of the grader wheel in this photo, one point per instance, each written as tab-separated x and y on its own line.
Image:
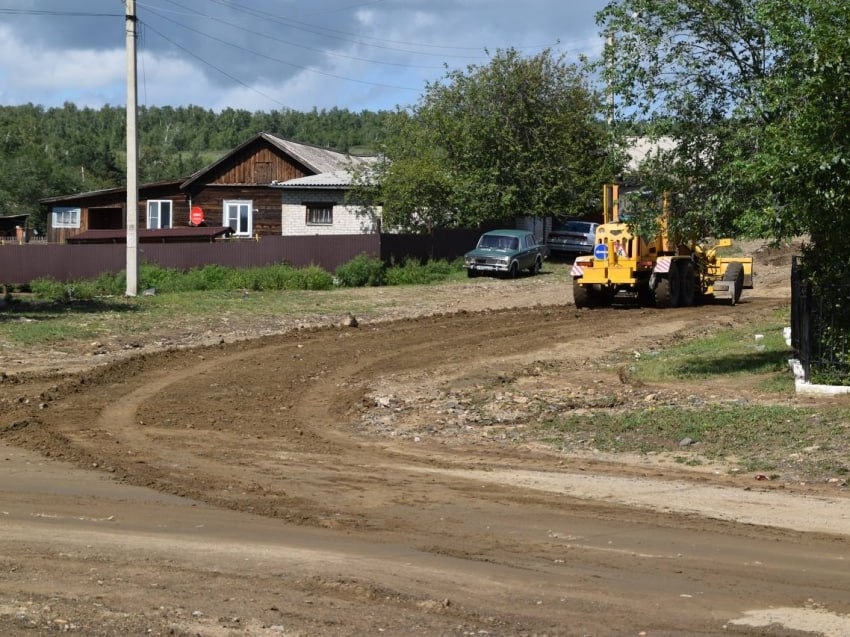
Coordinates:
582	295
645	295
668	292
687	292
735	272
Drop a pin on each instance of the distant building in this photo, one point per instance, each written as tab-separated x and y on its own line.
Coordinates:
243	191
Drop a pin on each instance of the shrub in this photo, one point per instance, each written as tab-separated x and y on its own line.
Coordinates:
159	278
362	271
210	277
412	272
109	284
315	278
49	289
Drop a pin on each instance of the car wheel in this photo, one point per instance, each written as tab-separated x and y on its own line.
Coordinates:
535	269
513	271
471	273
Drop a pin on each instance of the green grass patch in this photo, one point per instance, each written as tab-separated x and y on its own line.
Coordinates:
28	320
415	273
362	271
752	437
208	298
754	350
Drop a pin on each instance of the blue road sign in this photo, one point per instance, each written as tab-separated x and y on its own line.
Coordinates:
600	252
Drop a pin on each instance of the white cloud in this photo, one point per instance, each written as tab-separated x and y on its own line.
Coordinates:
41	71
327	55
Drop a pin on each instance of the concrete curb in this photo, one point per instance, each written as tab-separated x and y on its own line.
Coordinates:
804	387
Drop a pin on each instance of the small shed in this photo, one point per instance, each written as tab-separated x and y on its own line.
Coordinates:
14	228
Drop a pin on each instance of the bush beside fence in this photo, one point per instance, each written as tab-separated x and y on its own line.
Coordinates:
820	328
21	264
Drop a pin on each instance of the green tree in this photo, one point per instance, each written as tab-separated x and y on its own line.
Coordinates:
806	154
754	95
64	150
695	72
519	136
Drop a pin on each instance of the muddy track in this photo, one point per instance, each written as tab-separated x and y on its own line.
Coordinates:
235	425
406	534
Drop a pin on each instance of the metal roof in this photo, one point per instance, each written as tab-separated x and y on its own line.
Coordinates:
109	191
640	149
320	160
313	158
337	179
162	235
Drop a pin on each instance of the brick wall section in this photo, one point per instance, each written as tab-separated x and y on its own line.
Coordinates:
345	217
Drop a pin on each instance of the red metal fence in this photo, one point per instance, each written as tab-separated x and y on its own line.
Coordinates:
20	264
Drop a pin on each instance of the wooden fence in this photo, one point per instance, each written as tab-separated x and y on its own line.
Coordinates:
20	264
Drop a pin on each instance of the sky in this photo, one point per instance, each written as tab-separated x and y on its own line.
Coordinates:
267	55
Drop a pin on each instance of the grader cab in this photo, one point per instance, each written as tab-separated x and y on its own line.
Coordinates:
654	270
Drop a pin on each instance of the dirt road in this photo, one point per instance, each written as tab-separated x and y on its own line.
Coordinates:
376	480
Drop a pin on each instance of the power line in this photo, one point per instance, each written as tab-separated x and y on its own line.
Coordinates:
187	12
324	32
74	14
358	39
288	43
255	90
254	14
213	66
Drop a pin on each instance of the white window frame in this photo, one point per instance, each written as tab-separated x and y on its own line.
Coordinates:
232	216
66	217
326	216
155	216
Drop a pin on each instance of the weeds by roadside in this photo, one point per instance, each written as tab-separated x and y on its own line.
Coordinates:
51	312
778	440
771	435
362	271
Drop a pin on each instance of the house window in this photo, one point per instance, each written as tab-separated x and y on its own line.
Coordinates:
159	214
66	217
238	215
320	214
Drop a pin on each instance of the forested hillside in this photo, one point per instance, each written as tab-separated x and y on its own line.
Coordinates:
58	151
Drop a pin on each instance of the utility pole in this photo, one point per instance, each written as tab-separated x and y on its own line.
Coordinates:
610	64
132	154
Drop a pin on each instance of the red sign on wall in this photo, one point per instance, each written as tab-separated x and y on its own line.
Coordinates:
196	216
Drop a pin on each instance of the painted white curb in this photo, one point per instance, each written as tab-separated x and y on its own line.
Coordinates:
804	387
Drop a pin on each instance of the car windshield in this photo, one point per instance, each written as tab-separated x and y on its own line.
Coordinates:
581	227
578	226
499	242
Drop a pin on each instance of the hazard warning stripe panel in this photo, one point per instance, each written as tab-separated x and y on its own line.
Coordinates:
662	265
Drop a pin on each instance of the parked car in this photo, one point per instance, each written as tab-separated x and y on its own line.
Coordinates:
572	237
505	253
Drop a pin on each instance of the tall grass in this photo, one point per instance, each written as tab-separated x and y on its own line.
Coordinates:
362	271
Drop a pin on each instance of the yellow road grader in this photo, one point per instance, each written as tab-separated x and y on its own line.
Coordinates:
655	271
